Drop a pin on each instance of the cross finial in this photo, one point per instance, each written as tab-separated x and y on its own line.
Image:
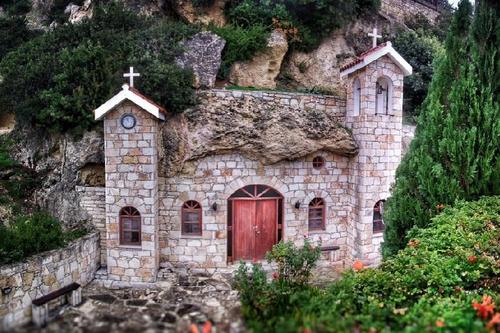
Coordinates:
131	75
374	36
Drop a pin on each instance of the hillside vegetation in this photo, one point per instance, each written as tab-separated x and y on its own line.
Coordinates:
445	280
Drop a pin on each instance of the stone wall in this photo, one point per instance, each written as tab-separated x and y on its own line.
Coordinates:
216	178
93	201
41	274
401	9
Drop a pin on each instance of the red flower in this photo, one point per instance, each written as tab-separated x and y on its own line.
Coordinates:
485	308
207	327
358	265
439	323
472	259
495	320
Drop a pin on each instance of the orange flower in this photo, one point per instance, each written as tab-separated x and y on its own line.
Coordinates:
485	308
472	259
358	265
194	329
439	323
207	327
413	243
495	320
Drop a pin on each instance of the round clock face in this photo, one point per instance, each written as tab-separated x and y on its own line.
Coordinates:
128	121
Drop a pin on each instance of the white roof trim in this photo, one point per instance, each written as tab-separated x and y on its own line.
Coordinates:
127	94
386	50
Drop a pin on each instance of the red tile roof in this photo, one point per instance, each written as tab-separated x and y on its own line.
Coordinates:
363	55
138	93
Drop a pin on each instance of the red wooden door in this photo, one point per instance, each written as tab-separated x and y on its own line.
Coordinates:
254	228
243	229
265	222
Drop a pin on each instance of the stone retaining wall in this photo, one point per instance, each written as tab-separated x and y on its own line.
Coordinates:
329	103
401	9
44	273
93	201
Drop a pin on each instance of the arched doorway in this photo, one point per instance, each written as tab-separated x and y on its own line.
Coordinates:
254	222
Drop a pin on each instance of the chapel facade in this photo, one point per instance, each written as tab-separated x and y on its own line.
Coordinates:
232	208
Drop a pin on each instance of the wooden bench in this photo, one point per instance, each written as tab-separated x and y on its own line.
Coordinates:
330	250
40	306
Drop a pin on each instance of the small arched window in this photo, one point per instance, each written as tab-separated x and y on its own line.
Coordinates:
130	226
378	217
317	214
318	162
191	218
356	91
383	93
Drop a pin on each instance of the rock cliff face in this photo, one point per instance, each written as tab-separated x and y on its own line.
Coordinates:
61	163
263	69
261	128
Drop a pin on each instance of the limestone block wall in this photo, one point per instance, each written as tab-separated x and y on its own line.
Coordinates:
216	178
93	201
335	105
41	274
401	9
131	180
379	137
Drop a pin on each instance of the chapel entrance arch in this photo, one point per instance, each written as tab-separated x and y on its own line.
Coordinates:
254	222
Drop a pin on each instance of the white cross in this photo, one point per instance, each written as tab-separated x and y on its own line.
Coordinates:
375	36
131	76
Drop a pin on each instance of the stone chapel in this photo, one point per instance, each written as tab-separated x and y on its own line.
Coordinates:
232	208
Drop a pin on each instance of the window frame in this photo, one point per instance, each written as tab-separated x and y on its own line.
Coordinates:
318	162
317	204
192	206
133	214
378	225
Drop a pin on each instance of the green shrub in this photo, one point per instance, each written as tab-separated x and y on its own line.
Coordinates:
430	283
241	44
31	234
62	75
14	33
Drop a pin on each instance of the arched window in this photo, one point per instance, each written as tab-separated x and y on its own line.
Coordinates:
130	226
191	218
383	93
317	214
378	217
356	91
318	162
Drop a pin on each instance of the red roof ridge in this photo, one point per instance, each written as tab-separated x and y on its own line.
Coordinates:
363	55
138	93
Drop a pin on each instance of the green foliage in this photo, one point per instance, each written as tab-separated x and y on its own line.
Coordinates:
14	33
457	144
287	289
241	44
32	234
294	265
62	75
305	22
435	279
420	51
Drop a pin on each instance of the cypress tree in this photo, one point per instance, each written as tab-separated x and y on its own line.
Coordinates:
455	153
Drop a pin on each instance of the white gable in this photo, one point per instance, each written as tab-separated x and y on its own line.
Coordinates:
137	99
374	54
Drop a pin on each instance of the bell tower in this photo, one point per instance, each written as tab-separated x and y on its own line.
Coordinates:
374	113
131	123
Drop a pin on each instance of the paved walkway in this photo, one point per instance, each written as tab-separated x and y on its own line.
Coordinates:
178	302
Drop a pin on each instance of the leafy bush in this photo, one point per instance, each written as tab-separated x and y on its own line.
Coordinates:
14	33
241	44
62	75
32	234
429	286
